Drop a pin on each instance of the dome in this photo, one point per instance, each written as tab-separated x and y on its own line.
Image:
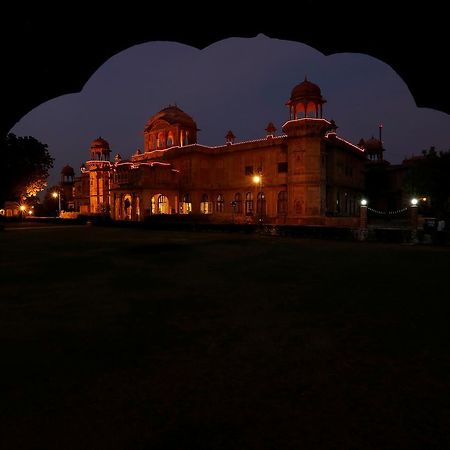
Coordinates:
100	143
67	171
372	144
306	90
172	115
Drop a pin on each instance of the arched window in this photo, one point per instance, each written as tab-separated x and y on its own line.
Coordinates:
249	204
152	142
160	140
261	204
163	205
170	139
186	204
219	203
186	138
282	203
205	205
238	200
127	207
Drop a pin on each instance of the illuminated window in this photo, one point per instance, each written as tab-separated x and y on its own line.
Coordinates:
249	204
186	204
205	205
163	205
282	202
219	203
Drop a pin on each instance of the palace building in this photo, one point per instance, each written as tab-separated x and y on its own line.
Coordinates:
305	175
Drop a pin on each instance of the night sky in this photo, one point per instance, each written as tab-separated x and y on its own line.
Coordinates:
238	84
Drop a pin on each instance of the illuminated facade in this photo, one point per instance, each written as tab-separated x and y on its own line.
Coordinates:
308	174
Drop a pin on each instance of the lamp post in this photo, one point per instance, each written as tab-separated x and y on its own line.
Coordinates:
22	210
414	220
58	194
257	179
363	220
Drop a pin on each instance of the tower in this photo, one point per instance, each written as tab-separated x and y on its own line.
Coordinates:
99	168
66	184
306	131
100	150
374	149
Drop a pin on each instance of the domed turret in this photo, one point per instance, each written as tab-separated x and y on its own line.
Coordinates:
67	171
230	137
168	128
306	101
373	148
100	149
270	129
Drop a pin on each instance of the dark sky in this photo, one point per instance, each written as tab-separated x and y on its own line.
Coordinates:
238	84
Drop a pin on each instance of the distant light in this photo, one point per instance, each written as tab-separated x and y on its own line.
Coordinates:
22	208
30	212
424	199
414	201
256	178
55	194
363	202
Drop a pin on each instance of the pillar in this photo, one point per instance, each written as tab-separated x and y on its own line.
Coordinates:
363	217
413	222
363	231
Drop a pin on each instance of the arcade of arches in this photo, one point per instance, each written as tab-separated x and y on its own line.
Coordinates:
306	174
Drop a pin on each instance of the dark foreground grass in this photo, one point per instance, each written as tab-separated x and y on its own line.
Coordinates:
128	339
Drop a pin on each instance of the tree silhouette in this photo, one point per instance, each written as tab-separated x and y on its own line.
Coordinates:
429	176
24	168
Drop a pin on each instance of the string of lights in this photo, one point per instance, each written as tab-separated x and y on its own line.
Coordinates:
397	211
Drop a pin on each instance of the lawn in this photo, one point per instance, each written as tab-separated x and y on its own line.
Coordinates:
136	339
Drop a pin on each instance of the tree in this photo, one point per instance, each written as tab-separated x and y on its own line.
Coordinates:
429	176
24	167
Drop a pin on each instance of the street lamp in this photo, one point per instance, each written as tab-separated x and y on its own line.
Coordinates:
58	194
257	179
22	209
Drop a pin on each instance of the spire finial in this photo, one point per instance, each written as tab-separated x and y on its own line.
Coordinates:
306	78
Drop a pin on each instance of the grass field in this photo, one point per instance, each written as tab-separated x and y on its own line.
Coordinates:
133	339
